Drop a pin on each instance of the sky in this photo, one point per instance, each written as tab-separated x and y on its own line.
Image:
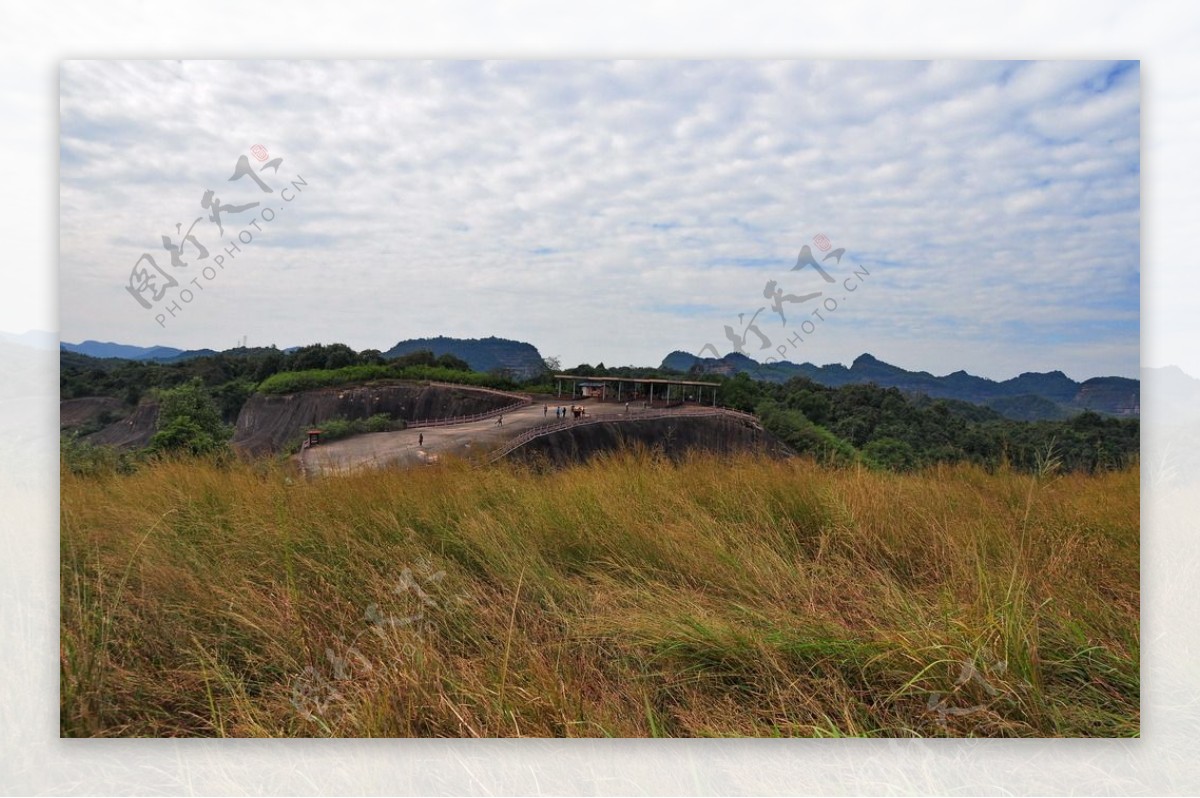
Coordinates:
987	213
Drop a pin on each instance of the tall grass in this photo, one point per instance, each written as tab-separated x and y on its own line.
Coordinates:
627	597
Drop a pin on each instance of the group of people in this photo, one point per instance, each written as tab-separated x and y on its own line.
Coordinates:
562	412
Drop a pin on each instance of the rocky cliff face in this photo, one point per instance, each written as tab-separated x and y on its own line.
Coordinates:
131	432
74	413
269	423
674	437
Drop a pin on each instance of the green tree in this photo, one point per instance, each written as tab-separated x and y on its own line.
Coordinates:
803	436
270	363
890	453
339	356
449	361
740	393
371	357
189	421
421	357
230	397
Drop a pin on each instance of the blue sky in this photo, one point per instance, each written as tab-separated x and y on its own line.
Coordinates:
616	211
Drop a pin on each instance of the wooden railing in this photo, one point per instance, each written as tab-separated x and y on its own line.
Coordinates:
468	387
445	422
523	400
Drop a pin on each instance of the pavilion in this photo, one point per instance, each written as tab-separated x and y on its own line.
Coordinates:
622	389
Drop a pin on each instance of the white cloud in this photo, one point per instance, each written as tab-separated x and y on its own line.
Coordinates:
616	211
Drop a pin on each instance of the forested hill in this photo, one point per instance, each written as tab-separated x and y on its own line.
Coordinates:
516	359
883	426
1030	396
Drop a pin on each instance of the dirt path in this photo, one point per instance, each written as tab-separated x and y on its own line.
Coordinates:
403	448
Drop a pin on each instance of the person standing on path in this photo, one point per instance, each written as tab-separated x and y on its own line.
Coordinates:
545	410
420	439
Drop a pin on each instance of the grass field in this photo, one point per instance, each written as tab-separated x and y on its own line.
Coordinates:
626	597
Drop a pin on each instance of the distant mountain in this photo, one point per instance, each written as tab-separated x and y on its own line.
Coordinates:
1029	397
35	339
520	360
103	349
107	349
191	353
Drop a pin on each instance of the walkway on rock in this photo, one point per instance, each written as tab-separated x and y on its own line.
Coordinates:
473	436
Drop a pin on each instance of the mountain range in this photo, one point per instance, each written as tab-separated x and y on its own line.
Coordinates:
1030	396
518	359
107	349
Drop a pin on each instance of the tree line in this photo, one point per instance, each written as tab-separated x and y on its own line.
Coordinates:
881	427
230	376
885	427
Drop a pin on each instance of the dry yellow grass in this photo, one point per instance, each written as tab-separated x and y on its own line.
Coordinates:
626	597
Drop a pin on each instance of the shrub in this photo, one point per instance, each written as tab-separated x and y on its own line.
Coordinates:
339	427
88	460
294	381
